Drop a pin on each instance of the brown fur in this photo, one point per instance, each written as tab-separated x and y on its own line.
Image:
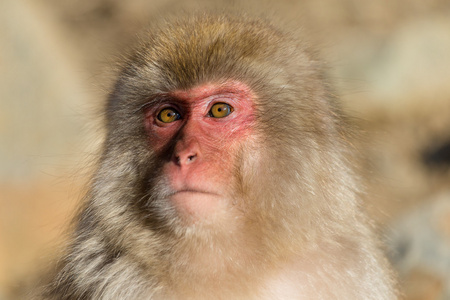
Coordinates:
295	230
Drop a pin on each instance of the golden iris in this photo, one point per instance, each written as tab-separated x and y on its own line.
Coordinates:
168	115
220	110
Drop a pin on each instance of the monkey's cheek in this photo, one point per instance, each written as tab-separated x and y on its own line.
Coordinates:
198	205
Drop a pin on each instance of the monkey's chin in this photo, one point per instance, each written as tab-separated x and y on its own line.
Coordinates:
197	205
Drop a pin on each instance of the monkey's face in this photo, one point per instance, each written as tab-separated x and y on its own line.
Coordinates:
210	123
199	134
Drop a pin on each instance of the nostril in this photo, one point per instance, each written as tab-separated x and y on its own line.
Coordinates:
185	159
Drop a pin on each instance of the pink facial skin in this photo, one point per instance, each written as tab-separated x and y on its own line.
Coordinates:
205	148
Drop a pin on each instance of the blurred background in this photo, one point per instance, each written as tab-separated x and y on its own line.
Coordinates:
388	59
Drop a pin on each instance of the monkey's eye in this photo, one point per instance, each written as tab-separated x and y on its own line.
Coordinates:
168	115
220	110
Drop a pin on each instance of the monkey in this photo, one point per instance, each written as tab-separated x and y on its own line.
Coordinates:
226	173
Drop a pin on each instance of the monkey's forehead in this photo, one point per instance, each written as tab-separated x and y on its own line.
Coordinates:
205	48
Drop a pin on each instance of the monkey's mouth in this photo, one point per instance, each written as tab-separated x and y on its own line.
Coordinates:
196	202
192	191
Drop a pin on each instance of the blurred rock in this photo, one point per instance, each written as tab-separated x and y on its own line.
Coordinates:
43	135
438	156
419	247
41	95
413	63
404	69
422	285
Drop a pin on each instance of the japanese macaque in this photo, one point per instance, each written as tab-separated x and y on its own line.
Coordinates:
225	174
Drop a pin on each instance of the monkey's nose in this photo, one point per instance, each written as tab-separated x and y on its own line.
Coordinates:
186	153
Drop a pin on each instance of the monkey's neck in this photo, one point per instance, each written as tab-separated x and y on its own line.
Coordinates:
222	265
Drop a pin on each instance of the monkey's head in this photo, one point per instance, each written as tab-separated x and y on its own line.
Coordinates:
218	123
223	176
